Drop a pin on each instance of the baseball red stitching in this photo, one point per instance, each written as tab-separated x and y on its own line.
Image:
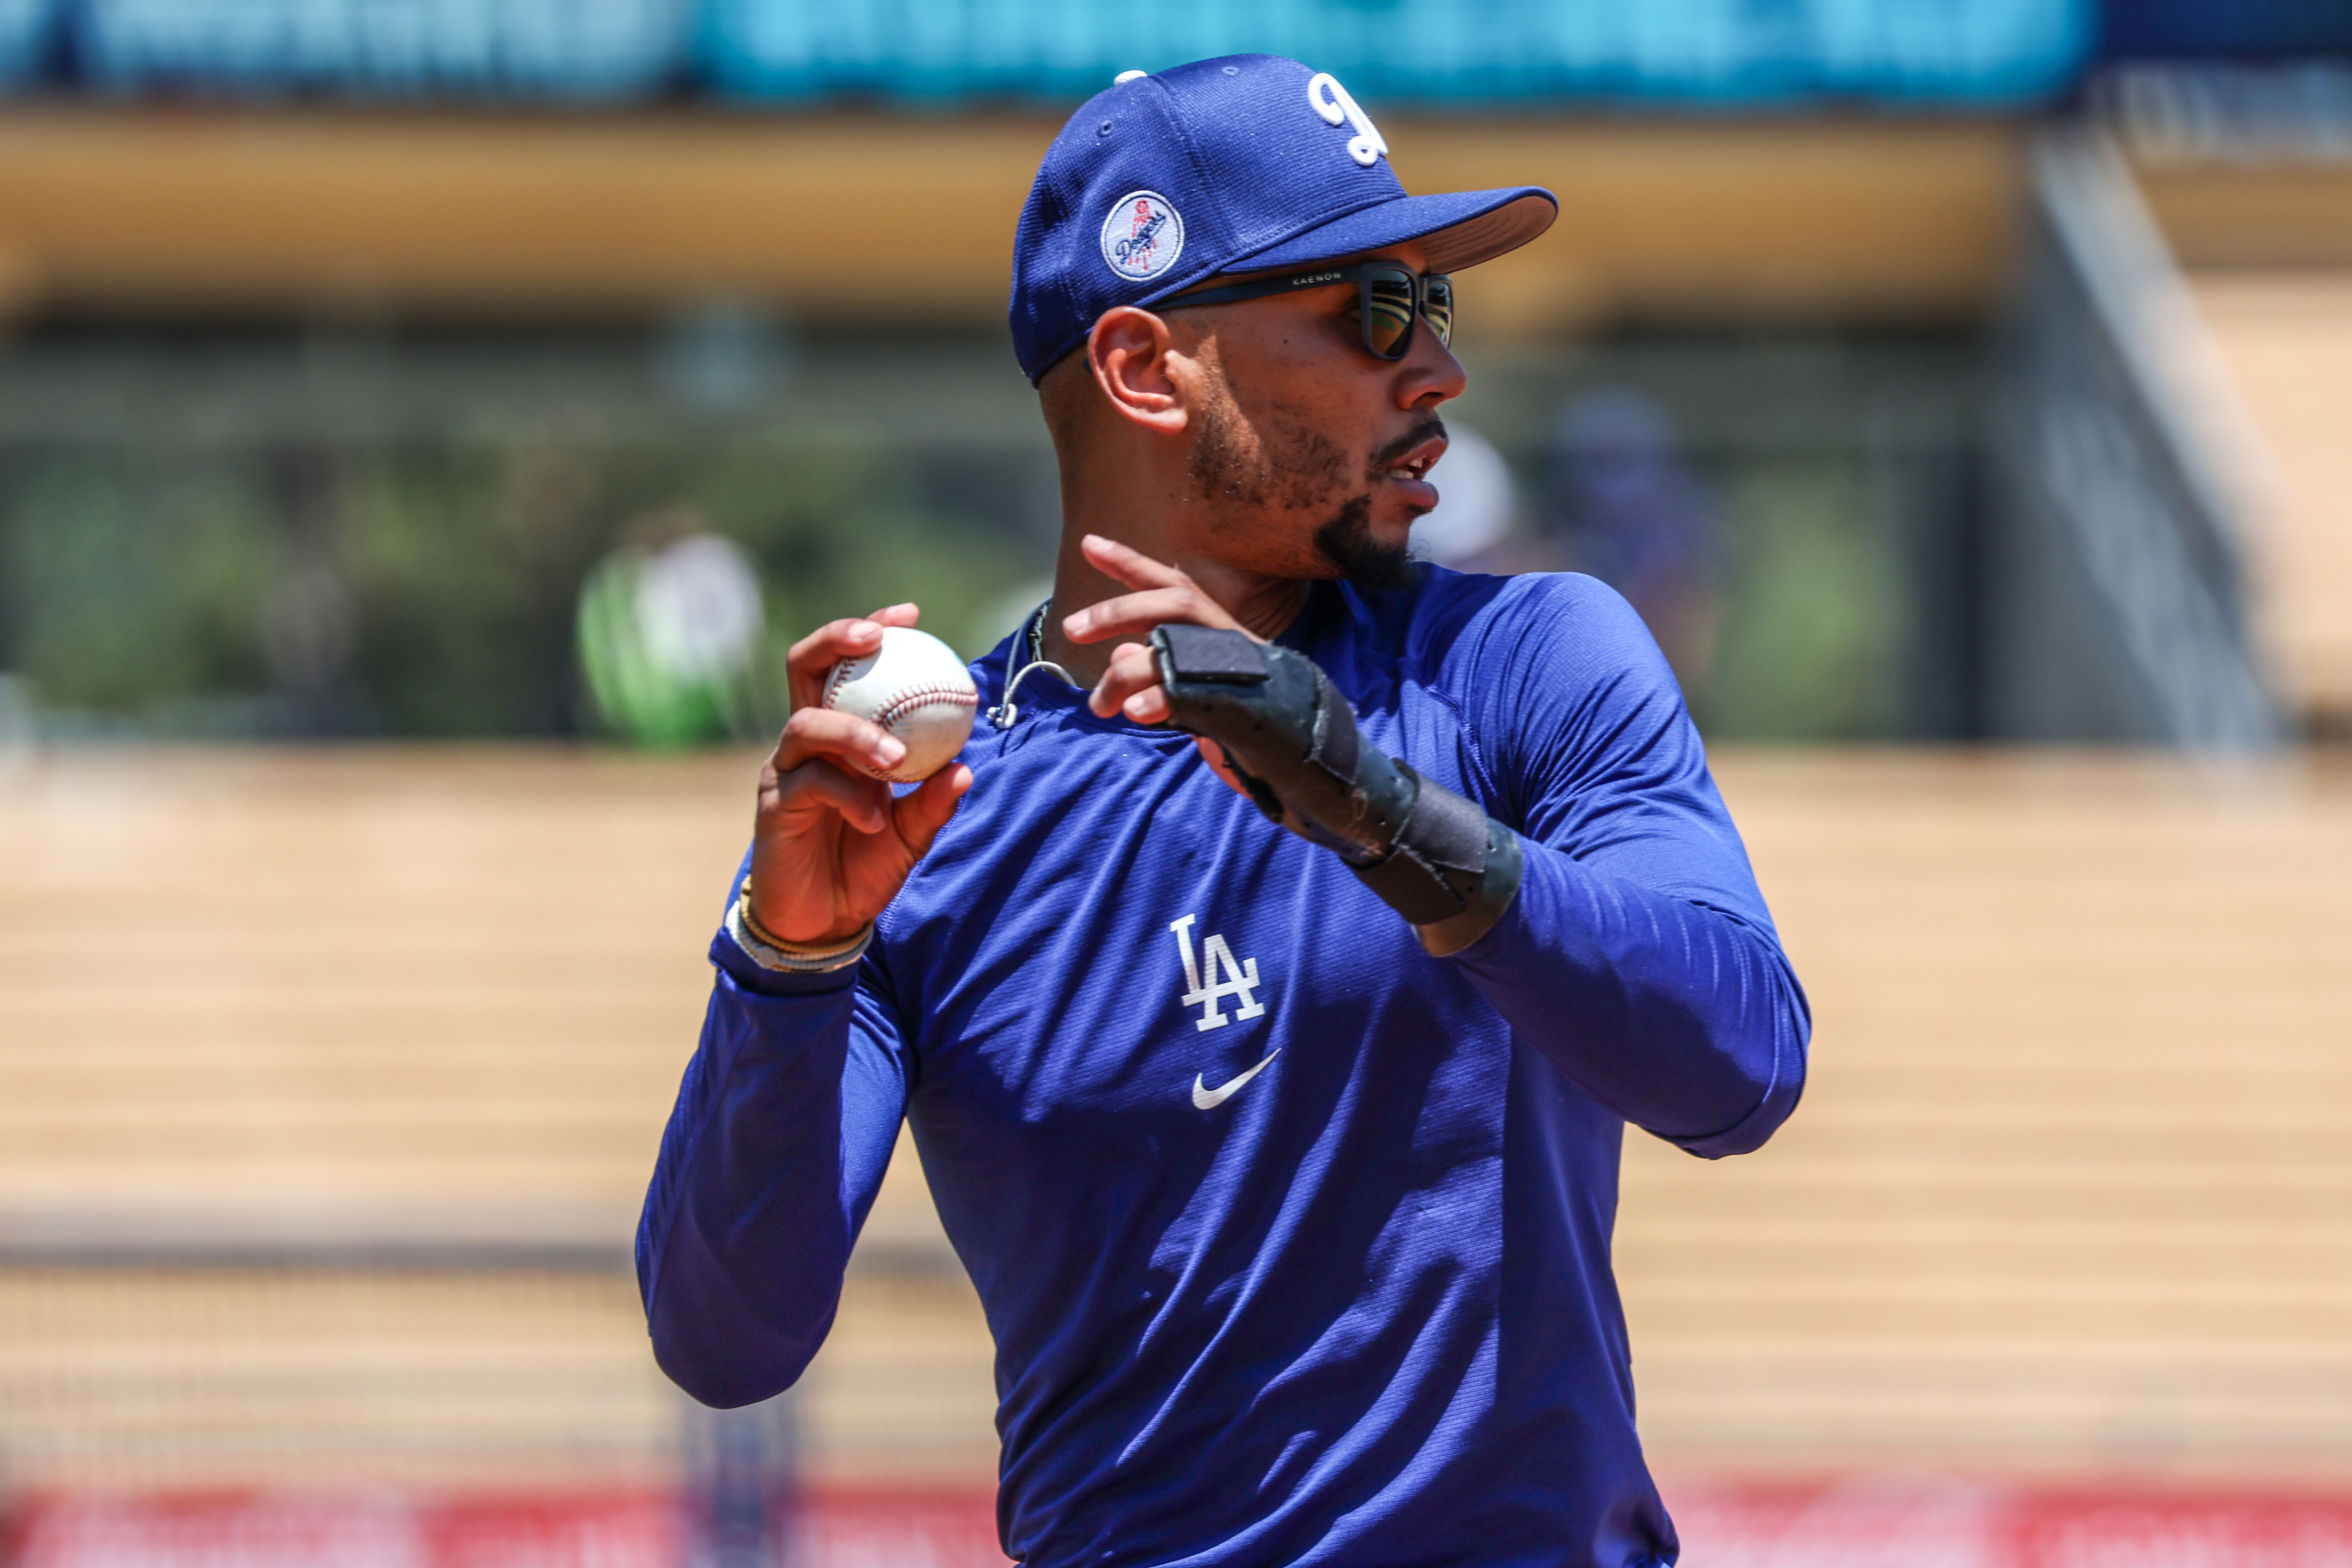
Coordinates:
916	697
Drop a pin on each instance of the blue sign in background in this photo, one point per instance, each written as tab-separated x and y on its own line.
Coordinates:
1706	50
525	48
1732	52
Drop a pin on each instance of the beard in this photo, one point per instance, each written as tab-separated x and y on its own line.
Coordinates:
1346	541
1285	465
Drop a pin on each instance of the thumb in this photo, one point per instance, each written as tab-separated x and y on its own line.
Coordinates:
1221	764
921	815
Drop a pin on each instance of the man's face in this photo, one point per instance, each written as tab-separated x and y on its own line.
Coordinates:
1310	455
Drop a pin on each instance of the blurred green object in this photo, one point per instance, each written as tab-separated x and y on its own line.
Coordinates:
670	642
483	587
470	564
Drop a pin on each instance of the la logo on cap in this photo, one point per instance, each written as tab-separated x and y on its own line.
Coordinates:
1142	236
1333	102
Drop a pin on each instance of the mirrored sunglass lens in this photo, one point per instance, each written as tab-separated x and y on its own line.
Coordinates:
1440	306
1388	314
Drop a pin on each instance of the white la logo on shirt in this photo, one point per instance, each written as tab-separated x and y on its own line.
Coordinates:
1204	990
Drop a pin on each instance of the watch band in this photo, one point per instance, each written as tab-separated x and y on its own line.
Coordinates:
770	951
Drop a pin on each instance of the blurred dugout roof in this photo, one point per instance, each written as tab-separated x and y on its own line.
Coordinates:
116	199
320	191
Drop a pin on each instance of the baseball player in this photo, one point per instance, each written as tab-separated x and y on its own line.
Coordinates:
1270	982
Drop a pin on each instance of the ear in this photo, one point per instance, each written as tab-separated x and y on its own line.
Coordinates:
1133	355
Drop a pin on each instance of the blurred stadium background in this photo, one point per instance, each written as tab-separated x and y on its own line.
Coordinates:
1964	393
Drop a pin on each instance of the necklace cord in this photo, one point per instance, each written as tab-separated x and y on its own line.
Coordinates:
1005	714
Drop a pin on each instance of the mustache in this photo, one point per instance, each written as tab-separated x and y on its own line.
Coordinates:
1430	427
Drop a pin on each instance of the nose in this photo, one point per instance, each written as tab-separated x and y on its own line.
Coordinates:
1429	374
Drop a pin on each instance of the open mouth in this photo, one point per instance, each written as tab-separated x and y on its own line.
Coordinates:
1410	472
1414	463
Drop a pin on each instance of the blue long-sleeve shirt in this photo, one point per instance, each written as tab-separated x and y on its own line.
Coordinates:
1356	1309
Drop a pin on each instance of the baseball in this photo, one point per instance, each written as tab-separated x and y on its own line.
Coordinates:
915	686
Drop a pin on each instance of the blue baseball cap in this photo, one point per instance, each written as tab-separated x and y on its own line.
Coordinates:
1235	164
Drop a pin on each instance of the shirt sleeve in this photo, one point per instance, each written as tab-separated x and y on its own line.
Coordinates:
783	1126
1639	956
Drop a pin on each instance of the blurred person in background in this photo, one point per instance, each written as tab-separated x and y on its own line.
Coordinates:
670	635
1285	1162
1470	529
1626	509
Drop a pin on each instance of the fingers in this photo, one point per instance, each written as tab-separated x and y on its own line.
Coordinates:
813	658
1163	594
841	737
863	804
1130	686
1130	566
1134	615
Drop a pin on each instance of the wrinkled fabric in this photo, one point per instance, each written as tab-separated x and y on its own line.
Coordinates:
1356	1309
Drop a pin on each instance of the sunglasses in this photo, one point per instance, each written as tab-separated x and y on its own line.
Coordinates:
1393	297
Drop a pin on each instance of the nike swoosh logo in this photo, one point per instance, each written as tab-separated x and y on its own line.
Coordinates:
1207	1099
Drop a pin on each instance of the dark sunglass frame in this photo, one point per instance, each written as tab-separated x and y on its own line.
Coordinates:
1362	274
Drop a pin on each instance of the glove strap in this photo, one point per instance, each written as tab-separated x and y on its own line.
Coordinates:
1450	859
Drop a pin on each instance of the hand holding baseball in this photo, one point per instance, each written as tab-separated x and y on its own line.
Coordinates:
832	846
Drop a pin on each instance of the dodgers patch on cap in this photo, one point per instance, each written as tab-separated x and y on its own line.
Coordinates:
1237	164
1143	235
